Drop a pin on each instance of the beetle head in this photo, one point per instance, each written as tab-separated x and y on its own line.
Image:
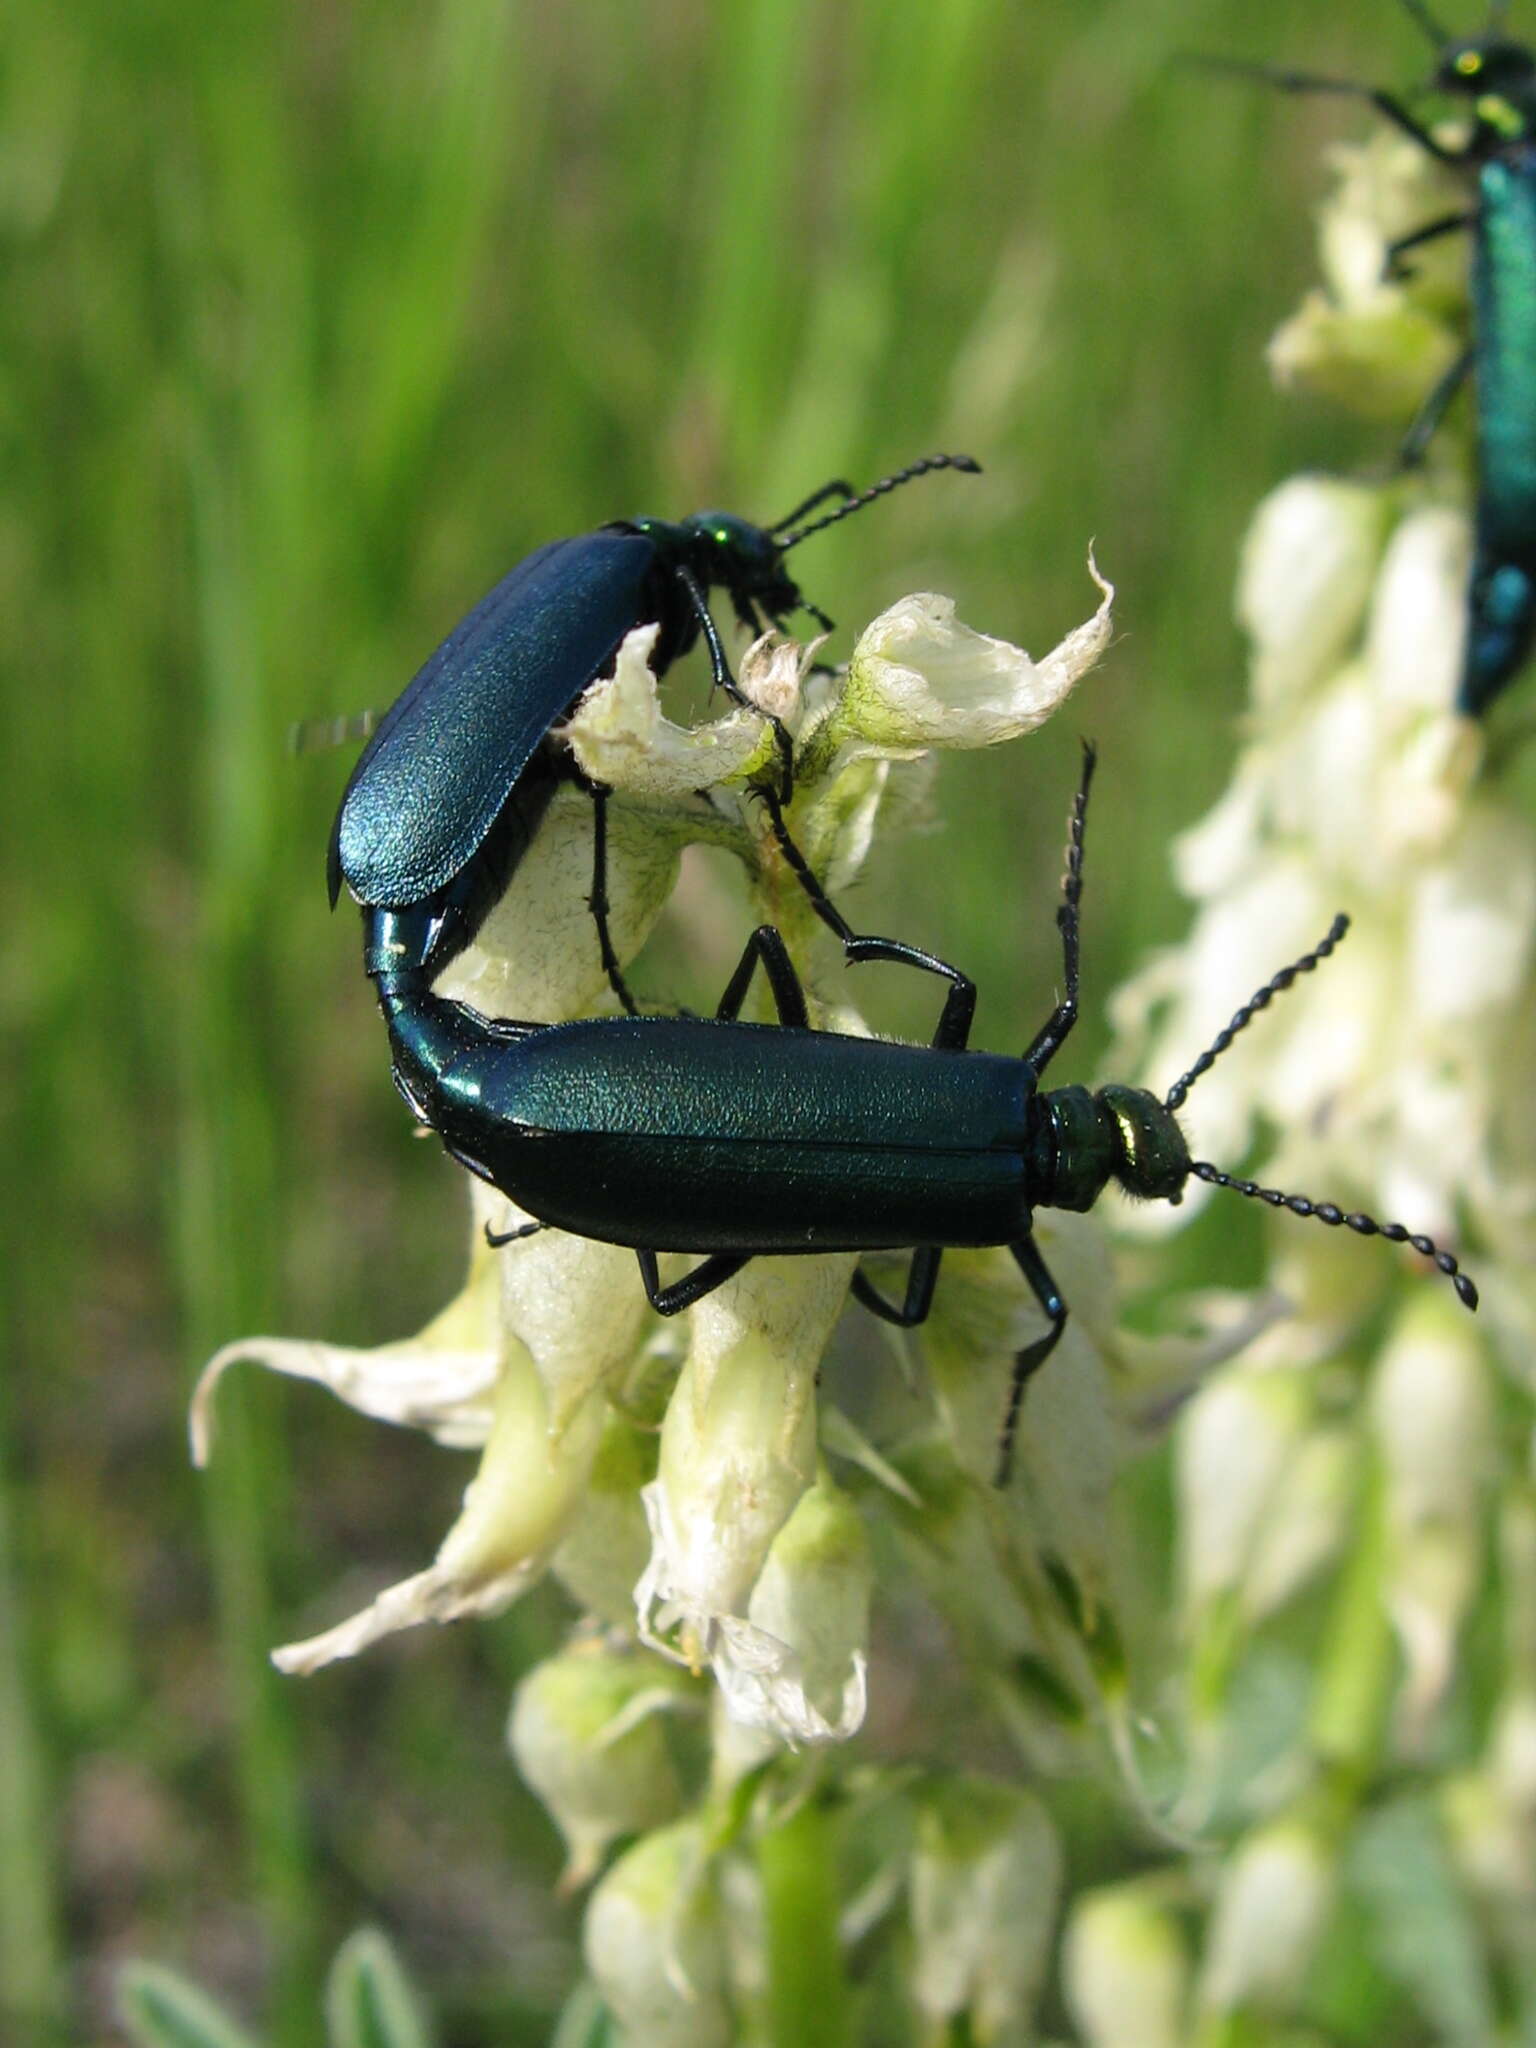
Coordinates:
1499	78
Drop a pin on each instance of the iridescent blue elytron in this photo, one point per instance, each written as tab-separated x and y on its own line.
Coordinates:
736	1141
450	789
1497	78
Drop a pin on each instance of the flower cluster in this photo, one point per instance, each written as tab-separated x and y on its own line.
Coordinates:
1354	1496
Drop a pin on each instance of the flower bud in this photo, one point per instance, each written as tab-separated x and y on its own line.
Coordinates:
986	1873
587	1732
1126	1970
1272	1908
600	1560
796	1668
1432	1416
655	1943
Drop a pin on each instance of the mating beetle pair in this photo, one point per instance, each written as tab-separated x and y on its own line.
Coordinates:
1498	77
736	1141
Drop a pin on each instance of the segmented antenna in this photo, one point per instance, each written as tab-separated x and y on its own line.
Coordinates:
1331	1214
860	499
1174	1099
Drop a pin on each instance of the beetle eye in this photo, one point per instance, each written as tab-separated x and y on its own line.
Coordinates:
1469	63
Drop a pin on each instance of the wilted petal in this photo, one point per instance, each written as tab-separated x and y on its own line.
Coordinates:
921	679
620	736
737	1447
516	1509
796	1667
442	1380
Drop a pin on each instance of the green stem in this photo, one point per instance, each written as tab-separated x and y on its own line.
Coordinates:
31	1980
1354	1683
807	1990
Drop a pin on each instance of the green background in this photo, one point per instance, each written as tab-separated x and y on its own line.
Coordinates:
316	318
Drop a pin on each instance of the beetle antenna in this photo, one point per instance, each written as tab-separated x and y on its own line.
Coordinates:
1331	1214
1174	1099
1426	21
785	541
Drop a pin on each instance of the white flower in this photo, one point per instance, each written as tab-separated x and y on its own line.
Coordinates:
986	1873
796	1668
1373	342
1126	1970
1431	1409
1271	1911
921	679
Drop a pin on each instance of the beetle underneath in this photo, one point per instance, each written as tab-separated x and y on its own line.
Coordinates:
737	1141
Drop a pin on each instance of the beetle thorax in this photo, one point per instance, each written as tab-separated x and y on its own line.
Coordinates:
729	553
1117	1133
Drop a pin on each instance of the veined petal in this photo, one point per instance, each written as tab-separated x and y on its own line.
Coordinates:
737	1447
516	1509
442	1380
620	736
919	678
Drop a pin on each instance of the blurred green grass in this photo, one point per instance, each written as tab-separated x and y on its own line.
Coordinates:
316	319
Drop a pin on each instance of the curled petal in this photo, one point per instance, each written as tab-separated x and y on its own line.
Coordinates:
516	1509
919	678
443	1380
620	736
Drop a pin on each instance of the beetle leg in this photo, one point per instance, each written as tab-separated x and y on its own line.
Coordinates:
597	902
1049	1038
1433	411
724	680
921	1277
1029	1360
954	1027
711	1273
1447	224
497	1238
767	945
